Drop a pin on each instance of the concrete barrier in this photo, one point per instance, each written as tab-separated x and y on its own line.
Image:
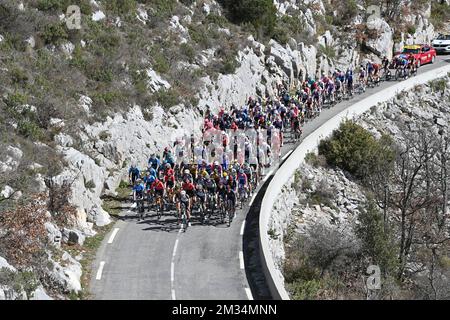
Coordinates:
274	277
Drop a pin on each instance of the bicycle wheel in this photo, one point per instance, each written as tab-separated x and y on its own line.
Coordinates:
160	208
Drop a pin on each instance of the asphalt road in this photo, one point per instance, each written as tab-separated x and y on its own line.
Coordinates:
152	260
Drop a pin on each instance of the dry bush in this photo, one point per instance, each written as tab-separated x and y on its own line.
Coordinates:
23	232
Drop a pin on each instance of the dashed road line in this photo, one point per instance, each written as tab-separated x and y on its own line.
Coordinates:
113	235
242	228
172	266
249	294
241	260
100	270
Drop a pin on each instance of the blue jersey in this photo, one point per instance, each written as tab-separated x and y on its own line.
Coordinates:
152	172
134	171
148	180
154	162
139	188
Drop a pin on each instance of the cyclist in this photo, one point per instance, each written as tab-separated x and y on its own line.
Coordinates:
154	162
138	191
133	174
189	187
158	190
169	179
230	196
243	182
412	65
183	198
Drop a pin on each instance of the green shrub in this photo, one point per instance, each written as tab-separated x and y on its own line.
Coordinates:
29	129
89	184
121	7
18	75
440	13
188	51
104	135
15	100
163	8
160	62
305	290
439	85
376	238
50	5
354	149
328	51
199	34
54	33
167	98
221	21
107	98
260	13
12	42
100	72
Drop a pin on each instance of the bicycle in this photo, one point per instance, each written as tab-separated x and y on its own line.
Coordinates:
140	206
242	195
202	209
230	211
222	210
159	206
184	223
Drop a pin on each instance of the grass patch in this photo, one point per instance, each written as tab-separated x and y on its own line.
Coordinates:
89	252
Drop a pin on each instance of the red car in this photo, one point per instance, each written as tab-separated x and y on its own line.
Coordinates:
422	53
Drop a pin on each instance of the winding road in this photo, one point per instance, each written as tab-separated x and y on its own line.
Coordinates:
153	260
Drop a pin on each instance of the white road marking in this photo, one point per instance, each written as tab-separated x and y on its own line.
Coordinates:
287	154
175	249
113	235
241	259
133	205
172	265
242	228
249	294
251	201
172	272
268	176
100	270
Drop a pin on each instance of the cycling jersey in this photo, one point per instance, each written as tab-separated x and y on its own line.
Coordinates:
158	185
139	190
154	163
242	178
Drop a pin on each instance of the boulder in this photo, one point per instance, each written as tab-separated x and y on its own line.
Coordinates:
99	216
5	264
72	237
40	294
6	192
69	275
98	15
54	235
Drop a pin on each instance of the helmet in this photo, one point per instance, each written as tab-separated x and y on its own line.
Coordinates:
225	174
183	193
186	171
241	171
199	187
204	173
168	165
216	163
